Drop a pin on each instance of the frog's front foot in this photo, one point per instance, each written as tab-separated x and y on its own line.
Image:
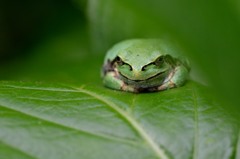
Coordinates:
167	85
176	78
111	80
128	88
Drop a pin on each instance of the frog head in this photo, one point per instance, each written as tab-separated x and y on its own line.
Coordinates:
142	64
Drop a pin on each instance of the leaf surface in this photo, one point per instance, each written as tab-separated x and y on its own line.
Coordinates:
54	121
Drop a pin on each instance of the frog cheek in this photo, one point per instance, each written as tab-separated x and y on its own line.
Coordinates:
127	75
125	70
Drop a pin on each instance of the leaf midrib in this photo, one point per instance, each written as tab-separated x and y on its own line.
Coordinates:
159	152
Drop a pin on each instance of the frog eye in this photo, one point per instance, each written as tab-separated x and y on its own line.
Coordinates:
119	61
159	61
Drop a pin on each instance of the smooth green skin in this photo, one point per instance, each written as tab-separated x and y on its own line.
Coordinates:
139	71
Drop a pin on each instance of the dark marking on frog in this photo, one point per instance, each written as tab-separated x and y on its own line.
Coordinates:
108	67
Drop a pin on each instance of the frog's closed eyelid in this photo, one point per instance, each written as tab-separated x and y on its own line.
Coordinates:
159	61
156	62
120	61
117	59
144	68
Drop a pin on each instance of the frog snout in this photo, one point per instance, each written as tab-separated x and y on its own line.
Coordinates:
137	73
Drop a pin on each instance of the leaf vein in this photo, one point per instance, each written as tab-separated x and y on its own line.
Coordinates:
237	148
159	152
17	149
196	125
71	128
55	100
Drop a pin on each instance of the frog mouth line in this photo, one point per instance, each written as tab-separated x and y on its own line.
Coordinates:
144	79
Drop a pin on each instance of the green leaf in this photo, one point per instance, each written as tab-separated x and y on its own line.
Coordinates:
91	122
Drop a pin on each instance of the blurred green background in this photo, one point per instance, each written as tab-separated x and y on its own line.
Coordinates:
65	41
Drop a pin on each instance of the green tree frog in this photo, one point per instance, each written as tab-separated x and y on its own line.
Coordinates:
144	65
